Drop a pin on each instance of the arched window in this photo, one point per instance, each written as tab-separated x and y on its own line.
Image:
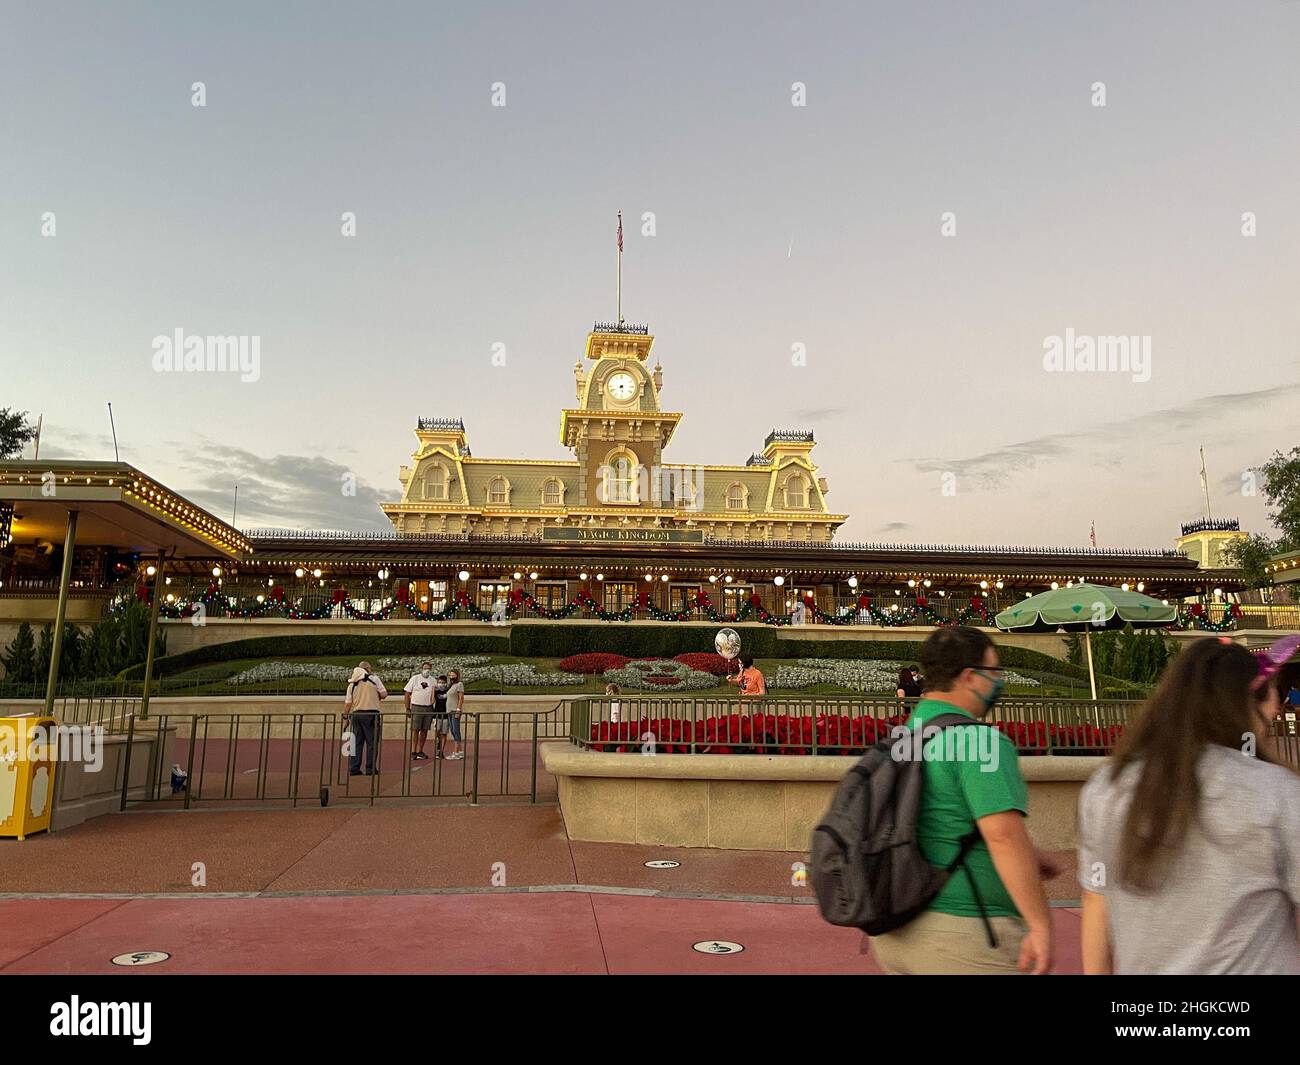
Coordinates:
435	483
619	475
736	497
796	492
553	493
499	492
684	490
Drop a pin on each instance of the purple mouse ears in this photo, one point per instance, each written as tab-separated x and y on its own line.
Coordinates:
1272	660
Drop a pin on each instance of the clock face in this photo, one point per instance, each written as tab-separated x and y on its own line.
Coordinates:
621	386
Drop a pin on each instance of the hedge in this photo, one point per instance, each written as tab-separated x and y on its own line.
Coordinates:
635	641
323	647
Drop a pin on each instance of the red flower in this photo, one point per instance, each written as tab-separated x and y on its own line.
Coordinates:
705	662
592	662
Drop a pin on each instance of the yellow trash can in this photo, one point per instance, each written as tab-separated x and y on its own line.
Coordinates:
29	756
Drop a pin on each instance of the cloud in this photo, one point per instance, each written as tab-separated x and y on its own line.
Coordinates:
59	442
818	414
294	491
991	468
893	526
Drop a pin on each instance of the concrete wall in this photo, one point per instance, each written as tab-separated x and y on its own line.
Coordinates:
39	612
753	802
83	793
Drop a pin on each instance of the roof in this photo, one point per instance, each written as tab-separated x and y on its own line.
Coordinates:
117	506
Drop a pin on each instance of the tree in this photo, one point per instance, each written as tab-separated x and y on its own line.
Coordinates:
1281	475
120	640
19	657
1282	490
16	432
1251	555
70	664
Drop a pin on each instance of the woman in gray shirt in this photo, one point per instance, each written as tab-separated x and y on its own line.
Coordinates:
1189	843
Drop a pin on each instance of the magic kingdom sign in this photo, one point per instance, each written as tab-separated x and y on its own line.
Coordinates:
631	536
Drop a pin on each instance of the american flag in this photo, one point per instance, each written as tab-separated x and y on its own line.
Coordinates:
1093	534
620	230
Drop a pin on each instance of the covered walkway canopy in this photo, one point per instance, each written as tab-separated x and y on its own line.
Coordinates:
107	504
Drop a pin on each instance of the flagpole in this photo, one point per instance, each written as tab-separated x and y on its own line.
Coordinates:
620	268
1205	485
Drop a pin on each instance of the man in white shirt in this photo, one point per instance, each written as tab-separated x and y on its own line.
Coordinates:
419	697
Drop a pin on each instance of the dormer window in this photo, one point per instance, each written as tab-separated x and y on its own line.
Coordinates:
435	483
553	493
796	492
499	492
737	497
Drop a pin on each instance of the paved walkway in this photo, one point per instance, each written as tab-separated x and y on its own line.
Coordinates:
406	890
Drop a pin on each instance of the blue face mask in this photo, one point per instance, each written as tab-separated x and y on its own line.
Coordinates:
995	693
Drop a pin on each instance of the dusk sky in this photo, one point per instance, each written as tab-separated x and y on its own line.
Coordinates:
775	225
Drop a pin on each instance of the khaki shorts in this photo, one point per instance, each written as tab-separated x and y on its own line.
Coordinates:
939	944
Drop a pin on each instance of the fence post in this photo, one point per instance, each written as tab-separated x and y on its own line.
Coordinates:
534	785
473	798
126	761
189	780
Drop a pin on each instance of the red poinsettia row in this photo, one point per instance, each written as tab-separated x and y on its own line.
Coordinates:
830	734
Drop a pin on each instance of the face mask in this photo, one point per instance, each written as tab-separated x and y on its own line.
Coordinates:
996	693
424	672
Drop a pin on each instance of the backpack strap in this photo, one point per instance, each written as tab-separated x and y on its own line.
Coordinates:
971	838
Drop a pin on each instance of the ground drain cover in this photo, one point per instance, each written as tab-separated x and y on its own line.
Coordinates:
141	957
717	946
662	863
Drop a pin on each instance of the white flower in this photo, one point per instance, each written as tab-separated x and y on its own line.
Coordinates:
396	671
677	676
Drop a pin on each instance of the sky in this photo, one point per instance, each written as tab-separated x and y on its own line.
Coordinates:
869	220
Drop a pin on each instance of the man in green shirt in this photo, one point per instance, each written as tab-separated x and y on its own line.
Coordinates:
971	780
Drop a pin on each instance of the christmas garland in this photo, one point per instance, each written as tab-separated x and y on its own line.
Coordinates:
919	613
1195	617
212	600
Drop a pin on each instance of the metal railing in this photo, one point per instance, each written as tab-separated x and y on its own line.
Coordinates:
108	711
303	757
847	726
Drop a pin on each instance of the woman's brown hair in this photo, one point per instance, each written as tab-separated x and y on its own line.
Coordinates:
1205	698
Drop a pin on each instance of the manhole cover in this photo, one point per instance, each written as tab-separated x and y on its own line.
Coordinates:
141	957
717	946
662	863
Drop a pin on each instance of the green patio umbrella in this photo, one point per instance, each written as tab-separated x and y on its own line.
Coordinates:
1083	608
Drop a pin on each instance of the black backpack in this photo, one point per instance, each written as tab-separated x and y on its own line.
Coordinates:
866	868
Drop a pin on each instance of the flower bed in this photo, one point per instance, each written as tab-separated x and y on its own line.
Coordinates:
834	734
395	671
706	662
660	674
593	662
863	675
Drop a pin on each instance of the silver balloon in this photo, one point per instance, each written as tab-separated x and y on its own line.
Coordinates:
727	643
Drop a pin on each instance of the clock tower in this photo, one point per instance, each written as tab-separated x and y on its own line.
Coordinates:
618	430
